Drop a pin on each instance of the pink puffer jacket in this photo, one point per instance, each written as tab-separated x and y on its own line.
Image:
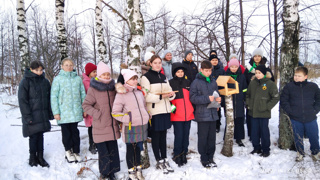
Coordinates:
86	82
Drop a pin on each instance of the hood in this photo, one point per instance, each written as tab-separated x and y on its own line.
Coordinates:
100	86
175	66
263	61
29	74
122	89
268	75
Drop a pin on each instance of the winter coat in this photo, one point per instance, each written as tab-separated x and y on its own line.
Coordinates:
144	69
86	83
250	74
184	109
301	101
191	70
200	91
67	95
98	104
34	103
217	71
262	95
167	68
130	107
153	84
238	99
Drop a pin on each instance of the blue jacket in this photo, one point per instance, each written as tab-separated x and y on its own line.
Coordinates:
217	71
67	96
301	101
200	91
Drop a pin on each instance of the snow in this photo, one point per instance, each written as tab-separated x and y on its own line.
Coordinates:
14	155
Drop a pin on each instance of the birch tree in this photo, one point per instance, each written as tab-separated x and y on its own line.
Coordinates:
228	139
61	30
22	39
99	32
289	60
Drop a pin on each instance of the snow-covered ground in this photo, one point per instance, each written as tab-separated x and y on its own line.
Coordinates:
14	155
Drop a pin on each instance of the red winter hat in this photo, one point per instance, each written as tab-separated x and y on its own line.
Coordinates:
89	68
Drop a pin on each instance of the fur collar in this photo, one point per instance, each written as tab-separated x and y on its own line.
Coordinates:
100	86
122	89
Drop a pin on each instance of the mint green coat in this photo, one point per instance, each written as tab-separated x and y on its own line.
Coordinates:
67	95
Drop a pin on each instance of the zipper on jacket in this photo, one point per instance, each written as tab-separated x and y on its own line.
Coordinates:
114	134
185	110
302	103
161	92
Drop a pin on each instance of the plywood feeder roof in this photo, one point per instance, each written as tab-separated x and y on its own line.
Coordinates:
223	81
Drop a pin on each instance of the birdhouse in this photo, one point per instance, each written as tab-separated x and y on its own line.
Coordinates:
224	81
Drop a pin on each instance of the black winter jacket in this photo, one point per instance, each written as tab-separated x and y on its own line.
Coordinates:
191	70
200	91
238	99
34	103
217	71
301	101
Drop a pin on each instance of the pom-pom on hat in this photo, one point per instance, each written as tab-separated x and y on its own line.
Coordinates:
89	68
262	69
234	62
102	68
128	74
258	51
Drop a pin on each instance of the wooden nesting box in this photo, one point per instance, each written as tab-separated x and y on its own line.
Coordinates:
223	81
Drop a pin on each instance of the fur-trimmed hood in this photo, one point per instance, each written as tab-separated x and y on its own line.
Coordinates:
122	89
100	86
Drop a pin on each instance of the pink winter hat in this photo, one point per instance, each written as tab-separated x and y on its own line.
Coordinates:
128	74
102	68
234	62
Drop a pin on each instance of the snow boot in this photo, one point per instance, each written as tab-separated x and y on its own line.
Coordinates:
178	160
33	161
299	157
93	148
212	163
77	157
139	173
240	143
166	163
160	165
205	164
184	159
265	154
256	151
316	157
70	157
132	174
42	162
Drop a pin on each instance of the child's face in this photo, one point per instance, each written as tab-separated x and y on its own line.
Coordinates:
38	71
180	73
168	56
156	64
189	57
105	75
133	81
259	75
67	66
93	74
257	59
234	69
206	72
299	77
214	61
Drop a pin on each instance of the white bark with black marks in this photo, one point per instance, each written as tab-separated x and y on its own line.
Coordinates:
61	30
102	50
23	39
228	138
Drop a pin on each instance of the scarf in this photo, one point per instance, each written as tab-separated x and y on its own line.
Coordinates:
253	67
234	76
207	78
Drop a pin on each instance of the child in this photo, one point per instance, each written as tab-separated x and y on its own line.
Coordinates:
301	101
105	130
261	97
183	114
191	68
130	108
158	94
67	95
201	91
90	72
167	63
34	103
238	100
217	70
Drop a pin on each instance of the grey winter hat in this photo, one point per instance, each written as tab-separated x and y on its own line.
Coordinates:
258	51
186	53
165	52
233	55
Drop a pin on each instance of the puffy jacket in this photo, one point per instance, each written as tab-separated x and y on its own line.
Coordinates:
34	103
98	104
200	91
86	83
130	106
301	101
250	74
184	108
262	95
217	71
167	68
67	95
191	70
153	84
238	99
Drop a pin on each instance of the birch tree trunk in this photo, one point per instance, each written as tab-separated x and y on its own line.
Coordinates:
242	34
225	19
99	31
228	138
61	30
289	60
23	39
136	27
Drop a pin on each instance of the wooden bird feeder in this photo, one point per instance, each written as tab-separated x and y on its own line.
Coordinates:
223	81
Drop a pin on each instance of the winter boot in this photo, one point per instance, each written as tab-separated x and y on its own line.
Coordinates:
166	163
160	165
178	160
139	173
132	174
78	157
299	157
42	162
316	157
205	164
93	148
33	161
184	159
240	143
70	157
212	163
